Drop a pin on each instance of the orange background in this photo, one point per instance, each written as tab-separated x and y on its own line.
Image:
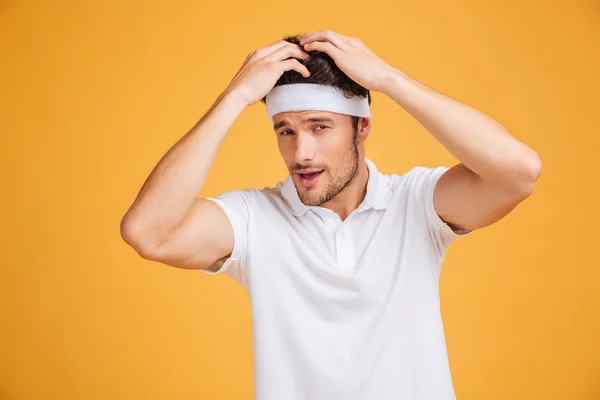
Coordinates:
94	93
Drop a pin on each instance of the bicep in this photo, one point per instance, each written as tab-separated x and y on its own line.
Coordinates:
465	201
204	238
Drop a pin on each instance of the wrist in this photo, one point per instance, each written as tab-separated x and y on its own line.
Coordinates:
391	78
233	99
398	86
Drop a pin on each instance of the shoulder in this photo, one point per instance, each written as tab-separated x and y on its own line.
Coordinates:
416	178
416	183
252	199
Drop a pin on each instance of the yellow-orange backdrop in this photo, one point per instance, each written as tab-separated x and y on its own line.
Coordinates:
94	93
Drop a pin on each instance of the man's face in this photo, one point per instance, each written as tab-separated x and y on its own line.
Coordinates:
320	151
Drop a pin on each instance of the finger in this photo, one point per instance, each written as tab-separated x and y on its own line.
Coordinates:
325	47
294	64
326	35
287	52
264	52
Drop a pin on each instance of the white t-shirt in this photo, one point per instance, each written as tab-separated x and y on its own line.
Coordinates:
344	310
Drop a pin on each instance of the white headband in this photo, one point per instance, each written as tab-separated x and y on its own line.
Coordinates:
313	96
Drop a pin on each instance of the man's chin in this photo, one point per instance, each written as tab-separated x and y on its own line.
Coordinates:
310	196
309	199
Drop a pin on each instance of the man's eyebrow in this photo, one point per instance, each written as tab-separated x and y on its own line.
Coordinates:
304	121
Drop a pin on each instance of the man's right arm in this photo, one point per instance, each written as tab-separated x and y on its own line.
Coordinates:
167	222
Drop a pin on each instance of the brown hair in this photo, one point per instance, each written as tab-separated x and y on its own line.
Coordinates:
324	71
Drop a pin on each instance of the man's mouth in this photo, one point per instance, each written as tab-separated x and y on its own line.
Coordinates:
309	178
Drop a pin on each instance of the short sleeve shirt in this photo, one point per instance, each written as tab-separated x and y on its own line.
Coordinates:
344	309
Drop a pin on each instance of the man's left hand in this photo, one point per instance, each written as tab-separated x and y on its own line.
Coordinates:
352	56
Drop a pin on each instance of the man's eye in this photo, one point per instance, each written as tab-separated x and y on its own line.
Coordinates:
322	126
284	133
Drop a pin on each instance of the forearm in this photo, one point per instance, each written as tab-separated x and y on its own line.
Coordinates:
173	185
475	139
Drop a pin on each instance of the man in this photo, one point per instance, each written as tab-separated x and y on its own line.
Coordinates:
341	261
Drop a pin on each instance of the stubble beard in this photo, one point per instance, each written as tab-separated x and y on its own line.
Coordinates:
336	185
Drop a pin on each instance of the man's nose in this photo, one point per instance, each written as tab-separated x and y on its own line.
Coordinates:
305	148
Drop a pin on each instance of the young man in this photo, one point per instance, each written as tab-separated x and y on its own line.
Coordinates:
341	261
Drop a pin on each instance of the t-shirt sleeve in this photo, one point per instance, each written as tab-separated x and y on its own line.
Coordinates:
237	205
424	181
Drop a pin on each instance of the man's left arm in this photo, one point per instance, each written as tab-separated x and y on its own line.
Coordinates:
496	171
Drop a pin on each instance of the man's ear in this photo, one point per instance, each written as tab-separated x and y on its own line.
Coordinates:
364	128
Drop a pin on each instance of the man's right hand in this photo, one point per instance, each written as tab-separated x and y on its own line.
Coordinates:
262	69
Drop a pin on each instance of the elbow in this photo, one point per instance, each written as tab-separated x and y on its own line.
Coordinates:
530	173
133	233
